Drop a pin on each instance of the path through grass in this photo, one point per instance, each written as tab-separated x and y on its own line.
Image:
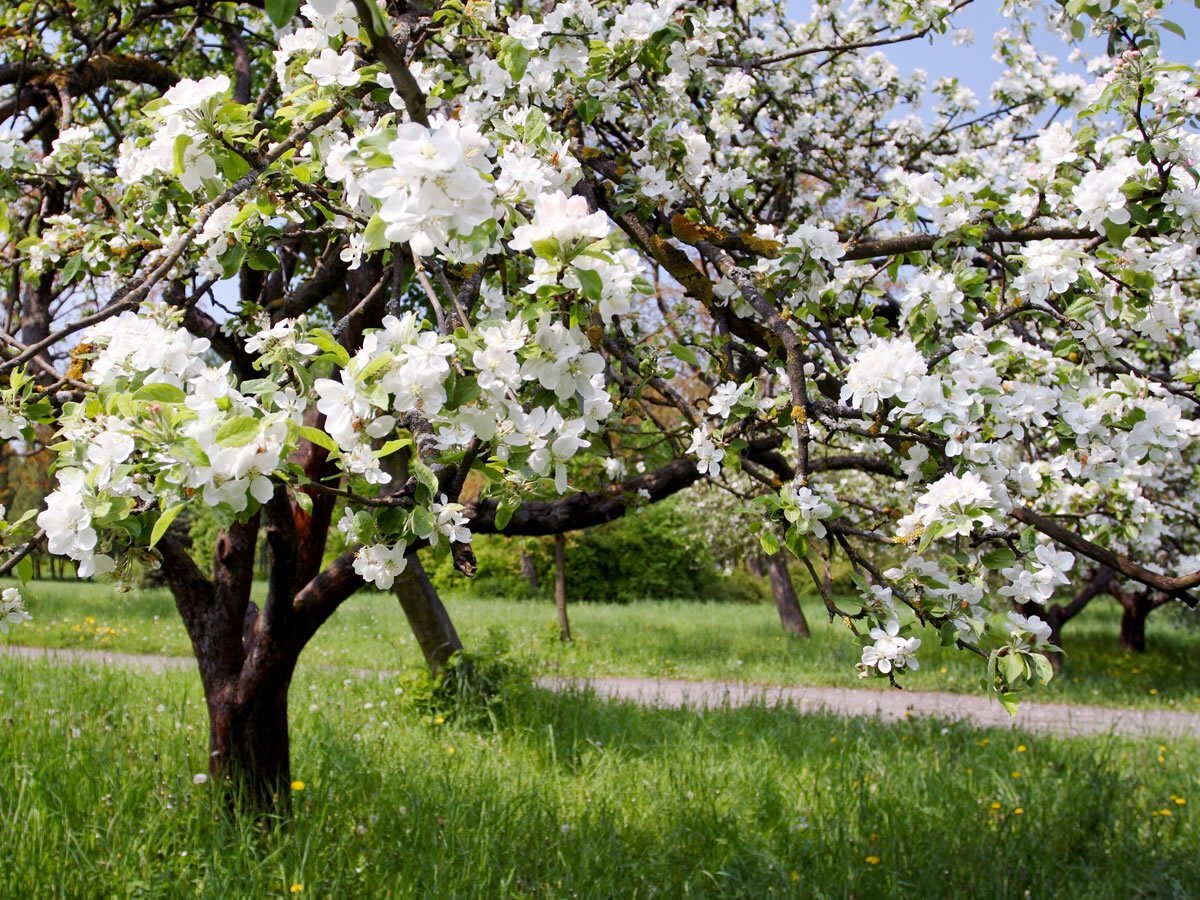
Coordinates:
674	640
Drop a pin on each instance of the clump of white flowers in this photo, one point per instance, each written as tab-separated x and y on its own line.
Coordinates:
12	609
428	185
380	564
804	509
1029	632
708	454
883	370
889	652
1035	579
954	504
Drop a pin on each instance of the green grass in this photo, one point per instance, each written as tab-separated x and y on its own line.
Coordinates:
678	640
573	797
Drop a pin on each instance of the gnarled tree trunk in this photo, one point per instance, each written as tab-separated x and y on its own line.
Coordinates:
426	615
791	616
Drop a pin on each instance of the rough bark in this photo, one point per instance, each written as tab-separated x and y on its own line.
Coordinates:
528	572
560	587
245	668
426	615
791	617
1136	607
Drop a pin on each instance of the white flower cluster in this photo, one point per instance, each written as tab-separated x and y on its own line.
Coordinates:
1035	580
1028	632
178	115
805	509
427	183
708	454
883	370
381	563
890	651
12	609
221	444
956	504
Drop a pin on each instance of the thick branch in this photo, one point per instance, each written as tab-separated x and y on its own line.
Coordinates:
1177	587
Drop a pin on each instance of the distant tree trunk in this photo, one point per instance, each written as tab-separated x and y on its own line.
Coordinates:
786	601
1133	629
528	572
426	615
754	565
1136	607
560	586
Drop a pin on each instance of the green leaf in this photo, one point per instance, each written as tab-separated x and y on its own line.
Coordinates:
421	522
326	342
280	12
375	236
425	476
159	393
547	248
231	260
504	511
769	542
1042	667
593	285
304	501
25	569
1173	27
513	57
1116	233
238	431
392	446
189	450
687	354
72	268
181	145
1012	668
1010	702
164	522
998	558
318	437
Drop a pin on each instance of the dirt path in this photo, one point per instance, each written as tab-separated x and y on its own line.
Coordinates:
888	706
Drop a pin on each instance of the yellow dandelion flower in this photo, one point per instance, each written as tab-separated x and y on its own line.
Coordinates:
872	860
296	888
1180	801
451	751
1021	748
1016	774
297	785
995	805
1018	811
794	875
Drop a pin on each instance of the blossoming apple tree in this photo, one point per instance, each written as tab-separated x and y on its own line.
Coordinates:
418	271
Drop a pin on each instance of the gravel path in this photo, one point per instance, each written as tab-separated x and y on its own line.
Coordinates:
888	706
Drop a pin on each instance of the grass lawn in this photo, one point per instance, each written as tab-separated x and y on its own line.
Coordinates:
573	797
677	640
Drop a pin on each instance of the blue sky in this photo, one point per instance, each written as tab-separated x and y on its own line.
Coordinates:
973	65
